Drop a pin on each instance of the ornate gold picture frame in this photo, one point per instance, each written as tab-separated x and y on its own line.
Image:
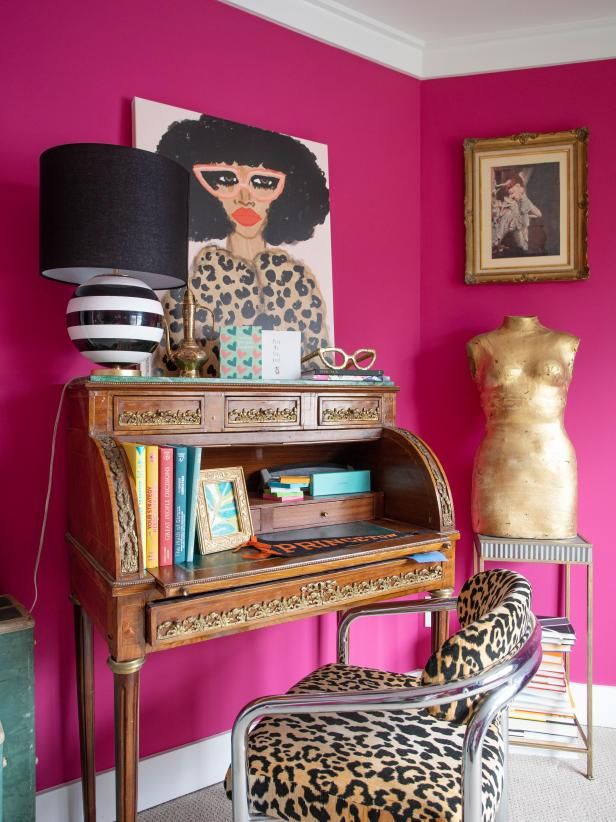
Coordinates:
526	207
223	511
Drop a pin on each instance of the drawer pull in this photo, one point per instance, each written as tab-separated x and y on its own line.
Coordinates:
324	513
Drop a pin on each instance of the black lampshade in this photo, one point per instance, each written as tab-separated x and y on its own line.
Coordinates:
107	207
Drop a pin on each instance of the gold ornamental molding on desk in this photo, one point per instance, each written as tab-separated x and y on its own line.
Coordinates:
350	415
129	544
312	596
261	416
160	416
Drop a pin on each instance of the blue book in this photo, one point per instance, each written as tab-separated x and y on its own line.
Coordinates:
192	488
179	503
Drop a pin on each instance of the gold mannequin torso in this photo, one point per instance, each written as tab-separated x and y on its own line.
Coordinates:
525	474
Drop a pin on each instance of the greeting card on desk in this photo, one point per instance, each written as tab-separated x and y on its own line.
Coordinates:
281	355
240	352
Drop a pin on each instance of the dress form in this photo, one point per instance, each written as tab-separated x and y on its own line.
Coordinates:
525	473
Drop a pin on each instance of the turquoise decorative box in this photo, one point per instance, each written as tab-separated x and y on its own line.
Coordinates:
240	352
339	482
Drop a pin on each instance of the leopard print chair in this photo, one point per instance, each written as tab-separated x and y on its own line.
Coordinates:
386	764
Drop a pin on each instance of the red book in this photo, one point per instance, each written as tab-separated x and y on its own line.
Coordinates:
165	506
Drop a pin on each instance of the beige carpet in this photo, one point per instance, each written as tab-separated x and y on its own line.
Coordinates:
543	789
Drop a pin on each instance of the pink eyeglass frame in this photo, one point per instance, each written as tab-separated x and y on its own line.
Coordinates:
243	177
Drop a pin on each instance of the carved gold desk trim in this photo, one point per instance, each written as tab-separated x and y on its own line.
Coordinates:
129	546
350	415
160	416
262	415
312	596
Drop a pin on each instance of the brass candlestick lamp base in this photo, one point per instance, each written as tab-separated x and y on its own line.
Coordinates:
190	356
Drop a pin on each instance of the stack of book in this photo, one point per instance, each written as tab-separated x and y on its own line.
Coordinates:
346	375
544	711
286	488
166	482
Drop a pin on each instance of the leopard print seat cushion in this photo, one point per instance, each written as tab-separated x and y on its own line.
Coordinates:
494	612
383	766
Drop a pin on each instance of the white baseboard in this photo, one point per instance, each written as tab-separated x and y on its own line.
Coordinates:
162	777
603	704
166	776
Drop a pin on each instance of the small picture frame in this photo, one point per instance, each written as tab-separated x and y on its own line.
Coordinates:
223	511
526	207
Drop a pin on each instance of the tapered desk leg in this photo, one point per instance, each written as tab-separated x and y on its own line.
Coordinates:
440	619
85	703
126	710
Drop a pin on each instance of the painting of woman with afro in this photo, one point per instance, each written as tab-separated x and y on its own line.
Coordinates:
254	193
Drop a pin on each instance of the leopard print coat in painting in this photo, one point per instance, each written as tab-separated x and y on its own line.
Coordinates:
273	291
385	766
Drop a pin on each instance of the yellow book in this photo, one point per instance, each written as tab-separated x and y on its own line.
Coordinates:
151	506
136	458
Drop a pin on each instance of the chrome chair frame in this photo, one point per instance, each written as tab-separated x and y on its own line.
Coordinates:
497	686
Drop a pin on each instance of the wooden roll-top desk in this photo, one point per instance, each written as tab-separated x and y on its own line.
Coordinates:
255	425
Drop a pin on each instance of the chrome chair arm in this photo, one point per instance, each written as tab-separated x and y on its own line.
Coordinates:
381	608
499	684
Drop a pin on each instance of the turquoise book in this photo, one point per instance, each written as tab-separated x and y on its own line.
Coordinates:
179	503
192	488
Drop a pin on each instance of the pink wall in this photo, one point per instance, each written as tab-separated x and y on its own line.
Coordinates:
72	70
69	72
449	416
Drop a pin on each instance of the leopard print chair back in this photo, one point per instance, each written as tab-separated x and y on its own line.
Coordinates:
495	619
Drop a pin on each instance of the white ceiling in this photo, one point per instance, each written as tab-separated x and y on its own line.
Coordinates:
436	38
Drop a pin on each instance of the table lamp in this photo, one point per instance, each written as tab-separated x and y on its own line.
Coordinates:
114	220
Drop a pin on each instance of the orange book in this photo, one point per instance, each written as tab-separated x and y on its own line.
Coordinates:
151	506
165	506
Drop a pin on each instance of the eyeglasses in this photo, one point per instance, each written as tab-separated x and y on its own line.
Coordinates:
224	182
338	360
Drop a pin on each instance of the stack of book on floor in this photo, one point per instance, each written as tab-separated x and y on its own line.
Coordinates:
544	711
286	488
346	375
166	482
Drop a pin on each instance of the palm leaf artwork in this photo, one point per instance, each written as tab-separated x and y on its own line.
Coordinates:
222	509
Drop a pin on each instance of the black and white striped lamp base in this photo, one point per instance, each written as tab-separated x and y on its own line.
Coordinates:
115	321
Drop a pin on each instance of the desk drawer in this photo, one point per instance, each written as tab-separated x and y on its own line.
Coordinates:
262	412
346	411
192	619
152	413
323	513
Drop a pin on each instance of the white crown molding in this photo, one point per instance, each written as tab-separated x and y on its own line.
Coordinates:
521	48
331	22
337	25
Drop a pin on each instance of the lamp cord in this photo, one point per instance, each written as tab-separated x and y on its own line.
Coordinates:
48	496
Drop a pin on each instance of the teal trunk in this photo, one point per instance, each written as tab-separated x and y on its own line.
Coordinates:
17	777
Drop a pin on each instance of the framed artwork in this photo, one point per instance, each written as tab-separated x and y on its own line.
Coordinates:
525	207
223	512
259	249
